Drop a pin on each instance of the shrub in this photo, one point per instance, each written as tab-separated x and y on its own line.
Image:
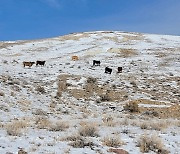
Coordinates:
62	86
43	123
15	128
109	121
88	130
2	93
40	89
81	143
104	98
59	126
151	143
112	141
91	80
131	107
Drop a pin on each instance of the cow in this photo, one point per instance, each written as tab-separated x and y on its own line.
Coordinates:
96	62
28	63
108	70
38	62
119	69
75	58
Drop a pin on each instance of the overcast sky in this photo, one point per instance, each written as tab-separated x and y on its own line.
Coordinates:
34	19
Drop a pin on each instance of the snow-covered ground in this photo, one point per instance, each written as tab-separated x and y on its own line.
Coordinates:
30	107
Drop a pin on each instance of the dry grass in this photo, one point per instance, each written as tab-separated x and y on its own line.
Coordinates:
24	102
109	121
15	128
78	141
88	129
131	107
114	38
112	141
73	36
132	37
43	123
158	125
151	143
81	143
59	126
73	137
40	89
62	86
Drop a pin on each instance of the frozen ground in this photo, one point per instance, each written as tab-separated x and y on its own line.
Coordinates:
30	107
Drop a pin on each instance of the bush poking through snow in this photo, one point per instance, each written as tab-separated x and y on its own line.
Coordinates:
81	143
43	123
59	126
104	98
62	86
112	141
151	143
131	107
91	80
15	128
88	130
40	89
109	121
2	93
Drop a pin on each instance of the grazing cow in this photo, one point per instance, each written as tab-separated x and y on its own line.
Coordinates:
75	58
119	69
28	63
108	70
96	62
38	62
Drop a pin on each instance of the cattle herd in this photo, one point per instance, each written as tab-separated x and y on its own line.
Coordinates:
38	62
107	69
95	63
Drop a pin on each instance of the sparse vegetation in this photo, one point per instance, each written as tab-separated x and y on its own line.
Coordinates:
40	89
72	104
112	141
88	129
131	107
151	143
16	128
59	126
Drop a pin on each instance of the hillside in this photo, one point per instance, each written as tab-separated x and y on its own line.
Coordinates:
73	107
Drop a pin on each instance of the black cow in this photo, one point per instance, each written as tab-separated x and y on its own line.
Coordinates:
108	70
96	62
119	69
38	62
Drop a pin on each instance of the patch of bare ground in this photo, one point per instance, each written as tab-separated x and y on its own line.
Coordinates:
114	38
132	37
91	87
73	37
123	52
172	111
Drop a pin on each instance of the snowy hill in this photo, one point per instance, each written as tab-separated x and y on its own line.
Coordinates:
44	109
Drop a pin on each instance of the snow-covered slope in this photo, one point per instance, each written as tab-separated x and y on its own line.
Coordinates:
151	73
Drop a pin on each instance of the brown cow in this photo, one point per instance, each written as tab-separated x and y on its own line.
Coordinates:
28	63
75	58
38	62
119	69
